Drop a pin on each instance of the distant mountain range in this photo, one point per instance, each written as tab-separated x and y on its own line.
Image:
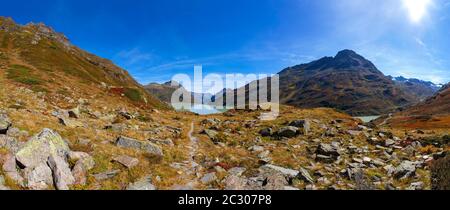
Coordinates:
165	91
433	113
347	82
422	89
350	83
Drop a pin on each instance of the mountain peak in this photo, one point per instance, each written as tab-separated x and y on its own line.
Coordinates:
346	53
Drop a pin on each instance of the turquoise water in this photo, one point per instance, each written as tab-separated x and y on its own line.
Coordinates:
367	119
201	109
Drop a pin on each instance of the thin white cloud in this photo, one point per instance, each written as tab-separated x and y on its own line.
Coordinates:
133	56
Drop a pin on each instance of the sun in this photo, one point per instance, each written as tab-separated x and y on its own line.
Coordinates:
417	9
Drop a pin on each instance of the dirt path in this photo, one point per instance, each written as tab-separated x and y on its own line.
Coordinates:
190	168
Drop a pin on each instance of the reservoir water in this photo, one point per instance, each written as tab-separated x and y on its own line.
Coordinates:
201	109
367	119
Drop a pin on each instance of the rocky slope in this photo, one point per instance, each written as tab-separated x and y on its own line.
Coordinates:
37	57
431	113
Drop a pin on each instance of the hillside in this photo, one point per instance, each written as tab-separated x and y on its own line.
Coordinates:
432	113
37	57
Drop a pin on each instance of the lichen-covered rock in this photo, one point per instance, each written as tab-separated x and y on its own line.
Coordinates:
62	174
40	147
9	143
11	170
147	147
39	177
143	184
405	169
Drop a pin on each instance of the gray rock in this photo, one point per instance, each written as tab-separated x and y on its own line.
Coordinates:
40	147
11	170
405	169
256	148
143	184
325	158
233	182
304	125
288	132
39	177
106	175
15	132
167	142
9	143
62	174
209	178
285	171
5	123
211	134
266	132
276	182
127	161
328	150
389	142
147	147
237	171
83	163
416	186
304	174
289	188
71	123
74	113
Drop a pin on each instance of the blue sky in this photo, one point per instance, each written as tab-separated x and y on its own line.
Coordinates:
154	40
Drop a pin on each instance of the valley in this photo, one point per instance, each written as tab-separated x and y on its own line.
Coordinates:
70	120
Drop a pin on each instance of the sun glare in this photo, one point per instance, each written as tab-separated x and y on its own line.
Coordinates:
417	9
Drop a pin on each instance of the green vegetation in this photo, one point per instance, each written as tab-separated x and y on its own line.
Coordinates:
24	75
133	94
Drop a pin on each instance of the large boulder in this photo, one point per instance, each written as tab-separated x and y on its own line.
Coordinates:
405	169
328	150
285	171
39	177
40	147
288	132
62	175
147	147
11	170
